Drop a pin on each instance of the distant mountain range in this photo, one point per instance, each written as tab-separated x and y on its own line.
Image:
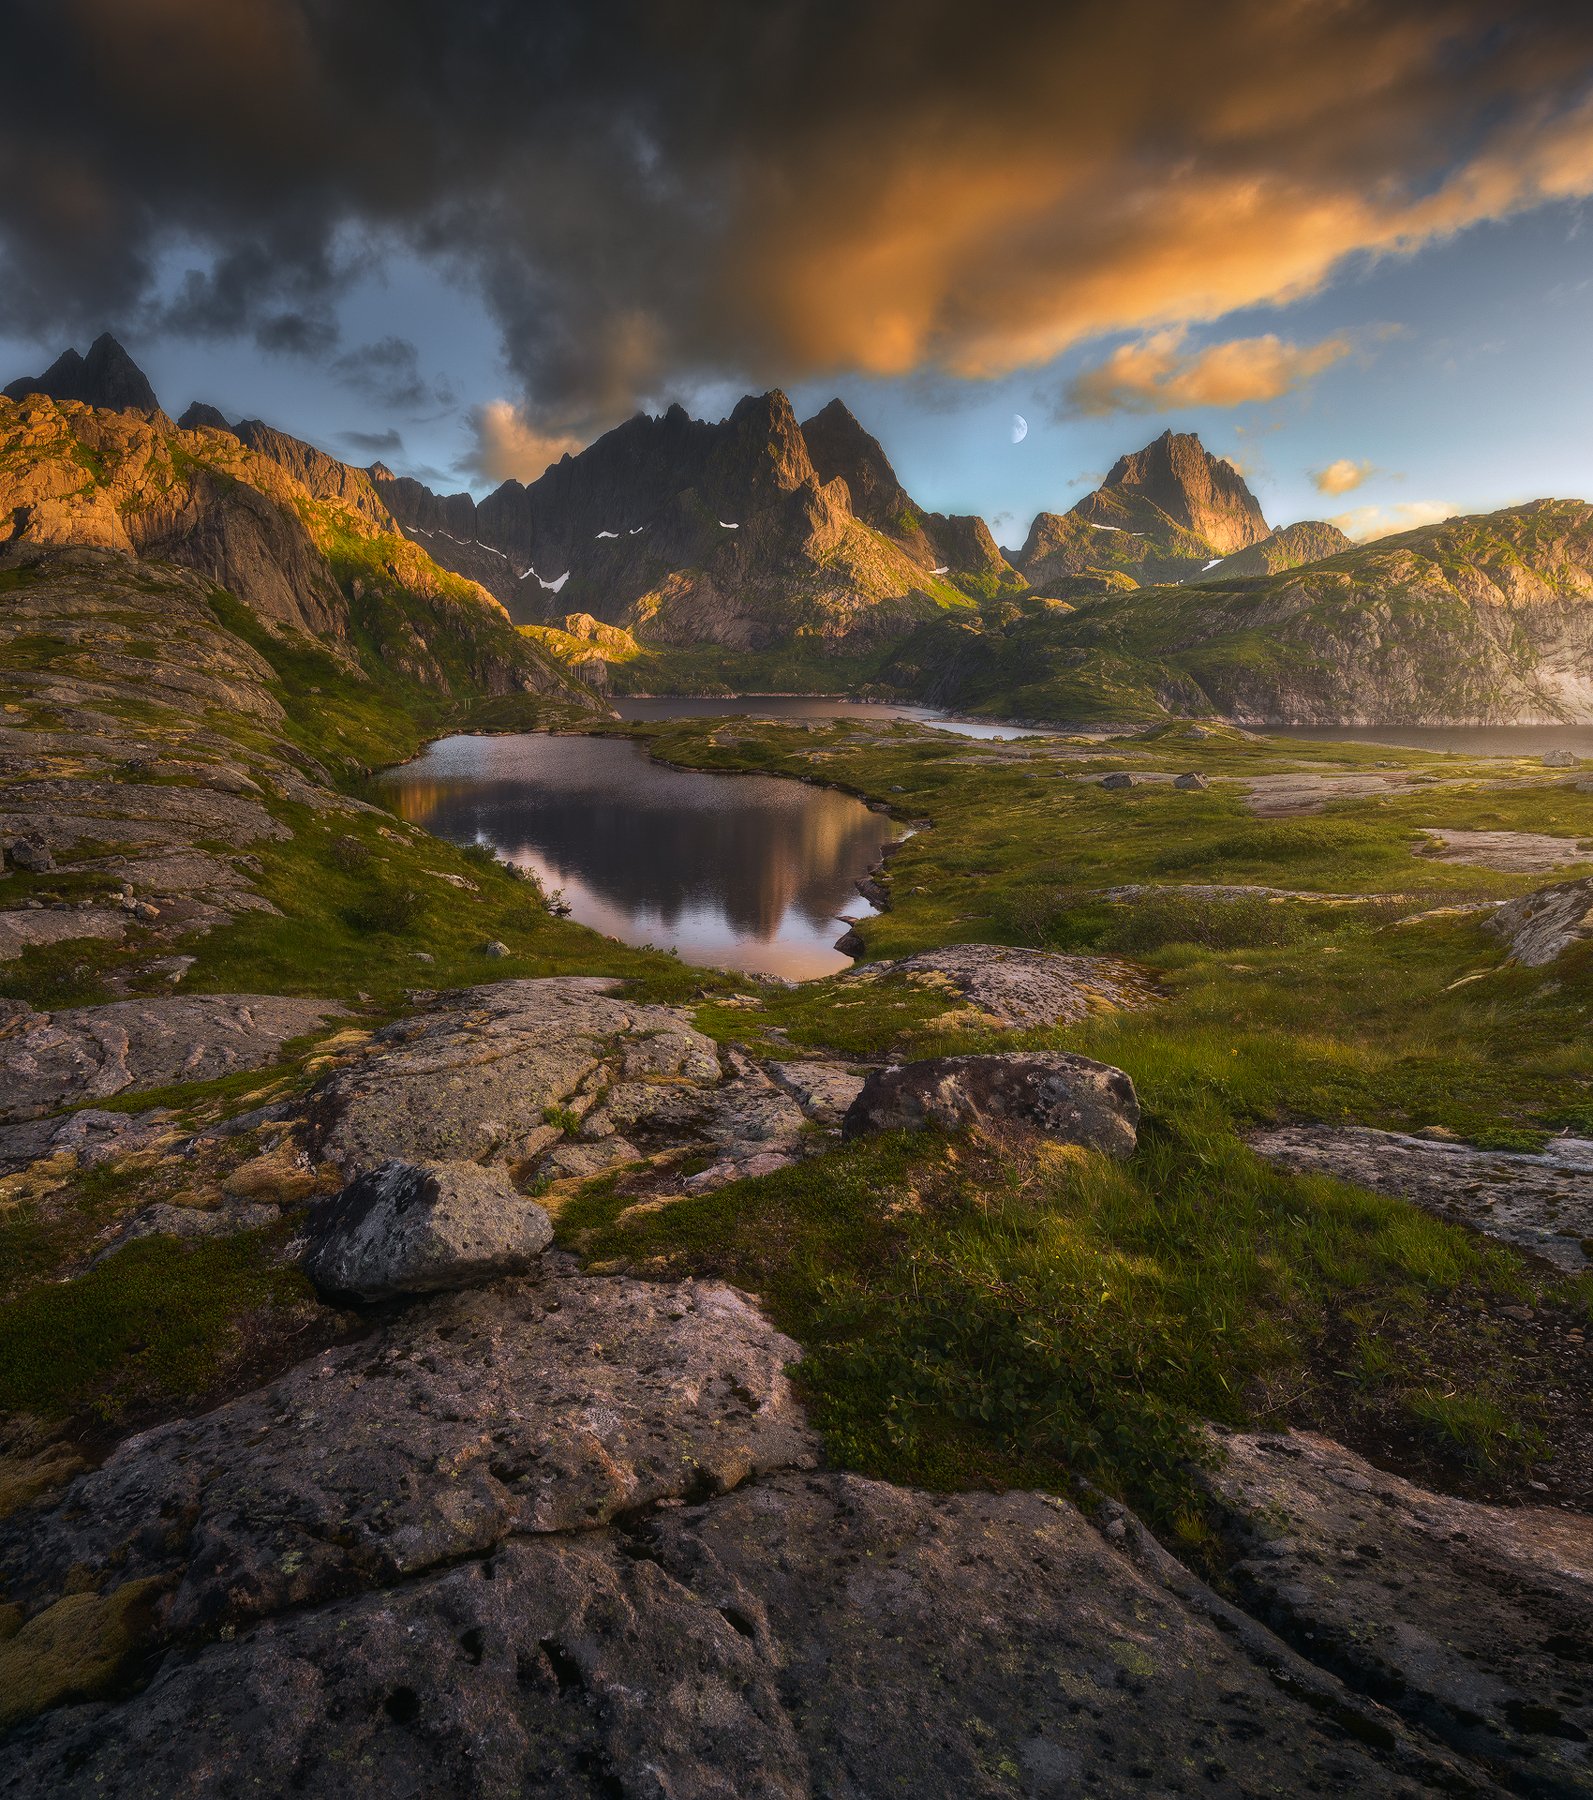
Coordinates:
741	533
1163	591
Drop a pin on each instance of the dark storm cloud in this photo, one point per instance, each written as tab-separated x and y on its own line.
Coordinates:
651	195
387	373
377	443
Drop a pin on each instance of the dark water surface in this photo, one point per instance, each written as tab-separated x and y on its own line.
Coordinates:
1467	740
806	706
734	871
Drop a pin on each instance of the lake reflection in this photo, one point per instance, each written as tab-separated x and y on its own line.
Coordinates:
735	871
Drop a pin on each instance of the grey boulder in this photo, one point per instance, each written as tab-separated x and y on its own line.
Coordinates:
417	1228
1070	1097
1542	924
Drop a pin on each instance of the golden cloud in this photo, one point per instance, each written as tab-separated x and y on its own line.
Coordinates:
642	215
509	447
1340	477
1364	523
1157	374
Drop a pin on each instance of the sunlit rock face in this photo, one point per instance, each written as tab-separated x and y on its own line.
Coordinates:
1162	514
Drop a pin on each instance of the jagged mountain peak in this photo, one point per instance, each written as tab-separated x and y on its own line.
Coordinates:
200	413
1203	493
840	446
106	377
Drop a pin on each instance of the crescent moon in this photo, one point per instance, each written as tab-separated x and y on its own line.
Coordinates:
1020	428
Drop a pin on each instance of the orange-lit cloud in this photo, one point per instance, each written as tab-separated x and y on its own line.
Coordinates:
1364	523
1340	477
653	197
508	447
1157	374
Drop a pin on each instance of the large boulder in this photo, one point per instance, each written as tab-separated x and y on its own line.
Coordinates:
1542	924
1070	1097
417	1228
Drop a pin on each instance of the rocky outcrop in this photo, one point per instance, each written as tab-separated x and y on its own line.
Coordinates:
55	1060
1541	1203
530	1407
1029	989
408	1229
560	1077
1472	1622
1541	926
453	1558
1072	1098
106	377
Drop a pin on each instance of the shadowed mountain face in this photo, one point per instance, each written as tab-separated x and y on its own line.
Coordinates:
743	532
1162	514
106	377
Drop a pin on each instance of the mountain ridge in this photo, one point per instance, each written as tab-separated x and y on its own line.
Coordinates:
301	540
1484	619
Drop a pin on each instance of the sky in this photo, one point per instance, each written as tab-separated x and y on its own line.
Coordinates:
1342	240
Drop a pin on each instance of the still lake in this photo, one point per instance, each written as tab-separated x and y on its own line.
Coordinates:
747	872
809	706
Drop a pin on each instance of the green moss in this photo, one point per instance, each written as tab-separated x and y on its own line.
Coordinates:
1011	1314
76	1649
158	1318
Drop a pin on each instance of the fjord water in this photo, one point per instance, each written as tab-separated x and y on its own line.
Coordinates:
747	872
808	706
1458	740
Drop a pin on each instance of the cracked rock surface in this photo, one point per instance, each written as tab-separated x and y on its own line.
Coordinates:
1542	1203
562	1076
1474	1622
60	1059
1540	925
810	1635
1026	988
532	1406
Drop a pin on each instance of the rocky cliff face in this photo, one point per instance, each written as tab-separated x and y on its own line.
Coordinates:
1162	514
745	533
106	377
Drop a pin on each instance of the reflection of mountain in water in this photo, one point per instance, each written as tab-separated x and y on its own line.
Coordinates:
653	841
